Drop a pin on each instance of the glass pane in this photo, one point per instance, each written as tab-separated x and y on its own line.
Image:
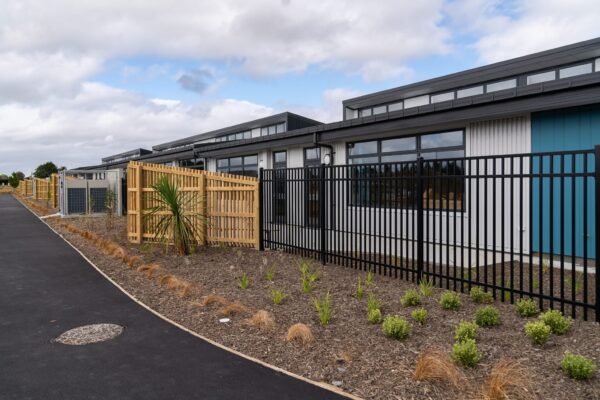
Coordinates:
223	163
351	114
272	130
508	84
437	98
576	70
436	155
247	135
280	156
473	91
364	160
401	144
355	149
231	137
264	131
541	77
379	109
280	128
395	106
446	139
235	161
255	132
399	158
239	136
250	160
365	112
597	65
313	154
416	101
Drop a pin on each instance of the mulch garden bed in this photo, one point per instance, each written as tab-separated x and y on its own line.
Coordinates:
349	352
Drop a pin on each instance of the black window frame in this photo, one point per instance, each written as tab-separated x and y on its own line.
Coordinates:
312	177
247	169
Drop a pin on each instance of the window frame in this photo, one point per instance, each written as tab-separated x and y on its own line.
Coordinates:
245	167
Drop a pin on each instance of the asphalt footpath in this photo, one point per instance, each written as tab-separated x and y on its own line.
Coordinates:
46	288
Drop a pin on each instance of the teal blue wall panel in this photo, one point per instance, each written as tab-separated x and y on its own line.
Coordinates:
559	130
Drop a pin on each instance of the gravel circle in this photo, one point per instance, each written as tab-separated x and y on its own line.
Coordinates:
88	334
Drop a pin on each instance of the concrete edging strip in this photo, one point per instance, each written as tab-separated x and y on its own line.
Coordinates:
323	385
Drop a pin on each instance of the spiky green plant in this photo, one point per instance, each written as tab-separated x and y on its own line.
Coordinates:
174	220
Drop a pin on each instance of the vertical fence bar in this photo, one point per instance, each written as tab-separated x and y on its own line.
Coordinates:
260	215
419	196
322	214
597	227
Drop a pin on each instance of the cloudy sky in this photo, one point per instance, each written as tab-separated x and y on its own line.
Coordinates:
80	80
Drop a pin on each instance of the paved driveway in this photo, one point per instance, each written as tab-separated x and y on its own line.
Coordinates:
47	288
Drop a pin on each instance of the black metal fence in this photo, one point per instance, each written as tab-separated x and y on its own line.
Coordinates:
521	225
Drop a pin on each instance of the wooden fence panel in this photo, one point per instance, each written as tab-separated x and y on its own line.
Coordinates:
54	190
223	208
41	189
25	187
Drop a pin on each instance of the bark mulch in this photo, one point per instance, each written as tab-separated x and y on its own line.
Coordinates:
349	352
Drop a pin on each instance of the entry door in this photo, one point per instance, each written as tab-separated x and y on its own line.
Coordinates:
279	200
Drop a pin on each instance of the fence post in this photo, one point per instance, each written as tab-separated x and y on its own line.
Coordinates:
322	214
261	205
419	196
597	221
139	202
203	208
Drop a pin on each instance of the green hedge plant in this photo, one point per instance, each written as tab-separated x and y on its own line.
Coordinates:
538	332
450	300
487	316
478	295
527	307
558	323
465	330
410	298
577	367
465	353
419	315
396	327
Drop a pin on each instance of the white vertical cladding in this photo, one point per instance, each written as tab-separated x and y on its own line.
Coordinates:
211	164
494	138
339	149
265	159
295	157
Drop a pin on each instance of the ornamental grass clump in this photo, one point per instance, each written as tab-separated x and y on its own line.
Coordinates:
508	379
465	353
308	277
270	274
450	300
426	287
374	316
437	365
174	220
419	315
538	332
360	291
323	308
396	327
262	319
478	295
410	298
558	323
300	333
487	316
465	330
277	296
243	281
577	366
527	307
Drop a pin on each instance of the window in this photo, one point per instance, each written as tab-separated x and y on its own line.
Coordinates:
281	128
438	98
280	159
256	132
193	163
472	91
575	70
383	171
379	109
597	69
244	165
503	85
272	130
395	107
264	131
351	114
312	159
541	77
365	112
279	192
416	101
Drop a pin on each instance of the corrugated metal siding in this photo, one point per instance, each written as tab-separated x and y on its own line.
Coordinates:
502	136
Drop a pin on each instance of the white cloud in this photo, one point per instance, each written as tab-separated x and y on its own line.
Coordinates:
525	27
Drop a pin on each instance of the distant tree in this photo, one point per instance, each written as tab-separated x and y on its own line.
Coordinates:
13	180
20	175
45	170
3	179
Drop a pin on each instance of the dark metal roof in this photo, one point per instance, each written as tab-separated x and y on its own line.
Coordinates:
497	71
130	153
293	121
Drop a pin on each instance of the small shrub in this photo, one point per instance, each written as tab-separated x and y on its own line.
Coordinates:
538	332
419	315
465	353
449	300
270	274
507	380
410	298
323	308
300	333
233	309
373	302
577	366
374	316
558	323
478	295
244	282
436	365
262	320
308	277
359	290
369	278
396	327
527	307
426	287
277	295
465	330
487	316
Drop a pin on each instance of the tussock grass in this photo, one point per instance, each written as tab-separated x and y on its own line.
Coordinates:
436	365
186	288
262	319
134	261
234	309
300	333
214	299
149	269
507	380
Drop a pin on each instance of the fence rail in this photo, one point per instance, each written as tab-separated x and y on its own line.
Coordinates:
521	225
224	208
